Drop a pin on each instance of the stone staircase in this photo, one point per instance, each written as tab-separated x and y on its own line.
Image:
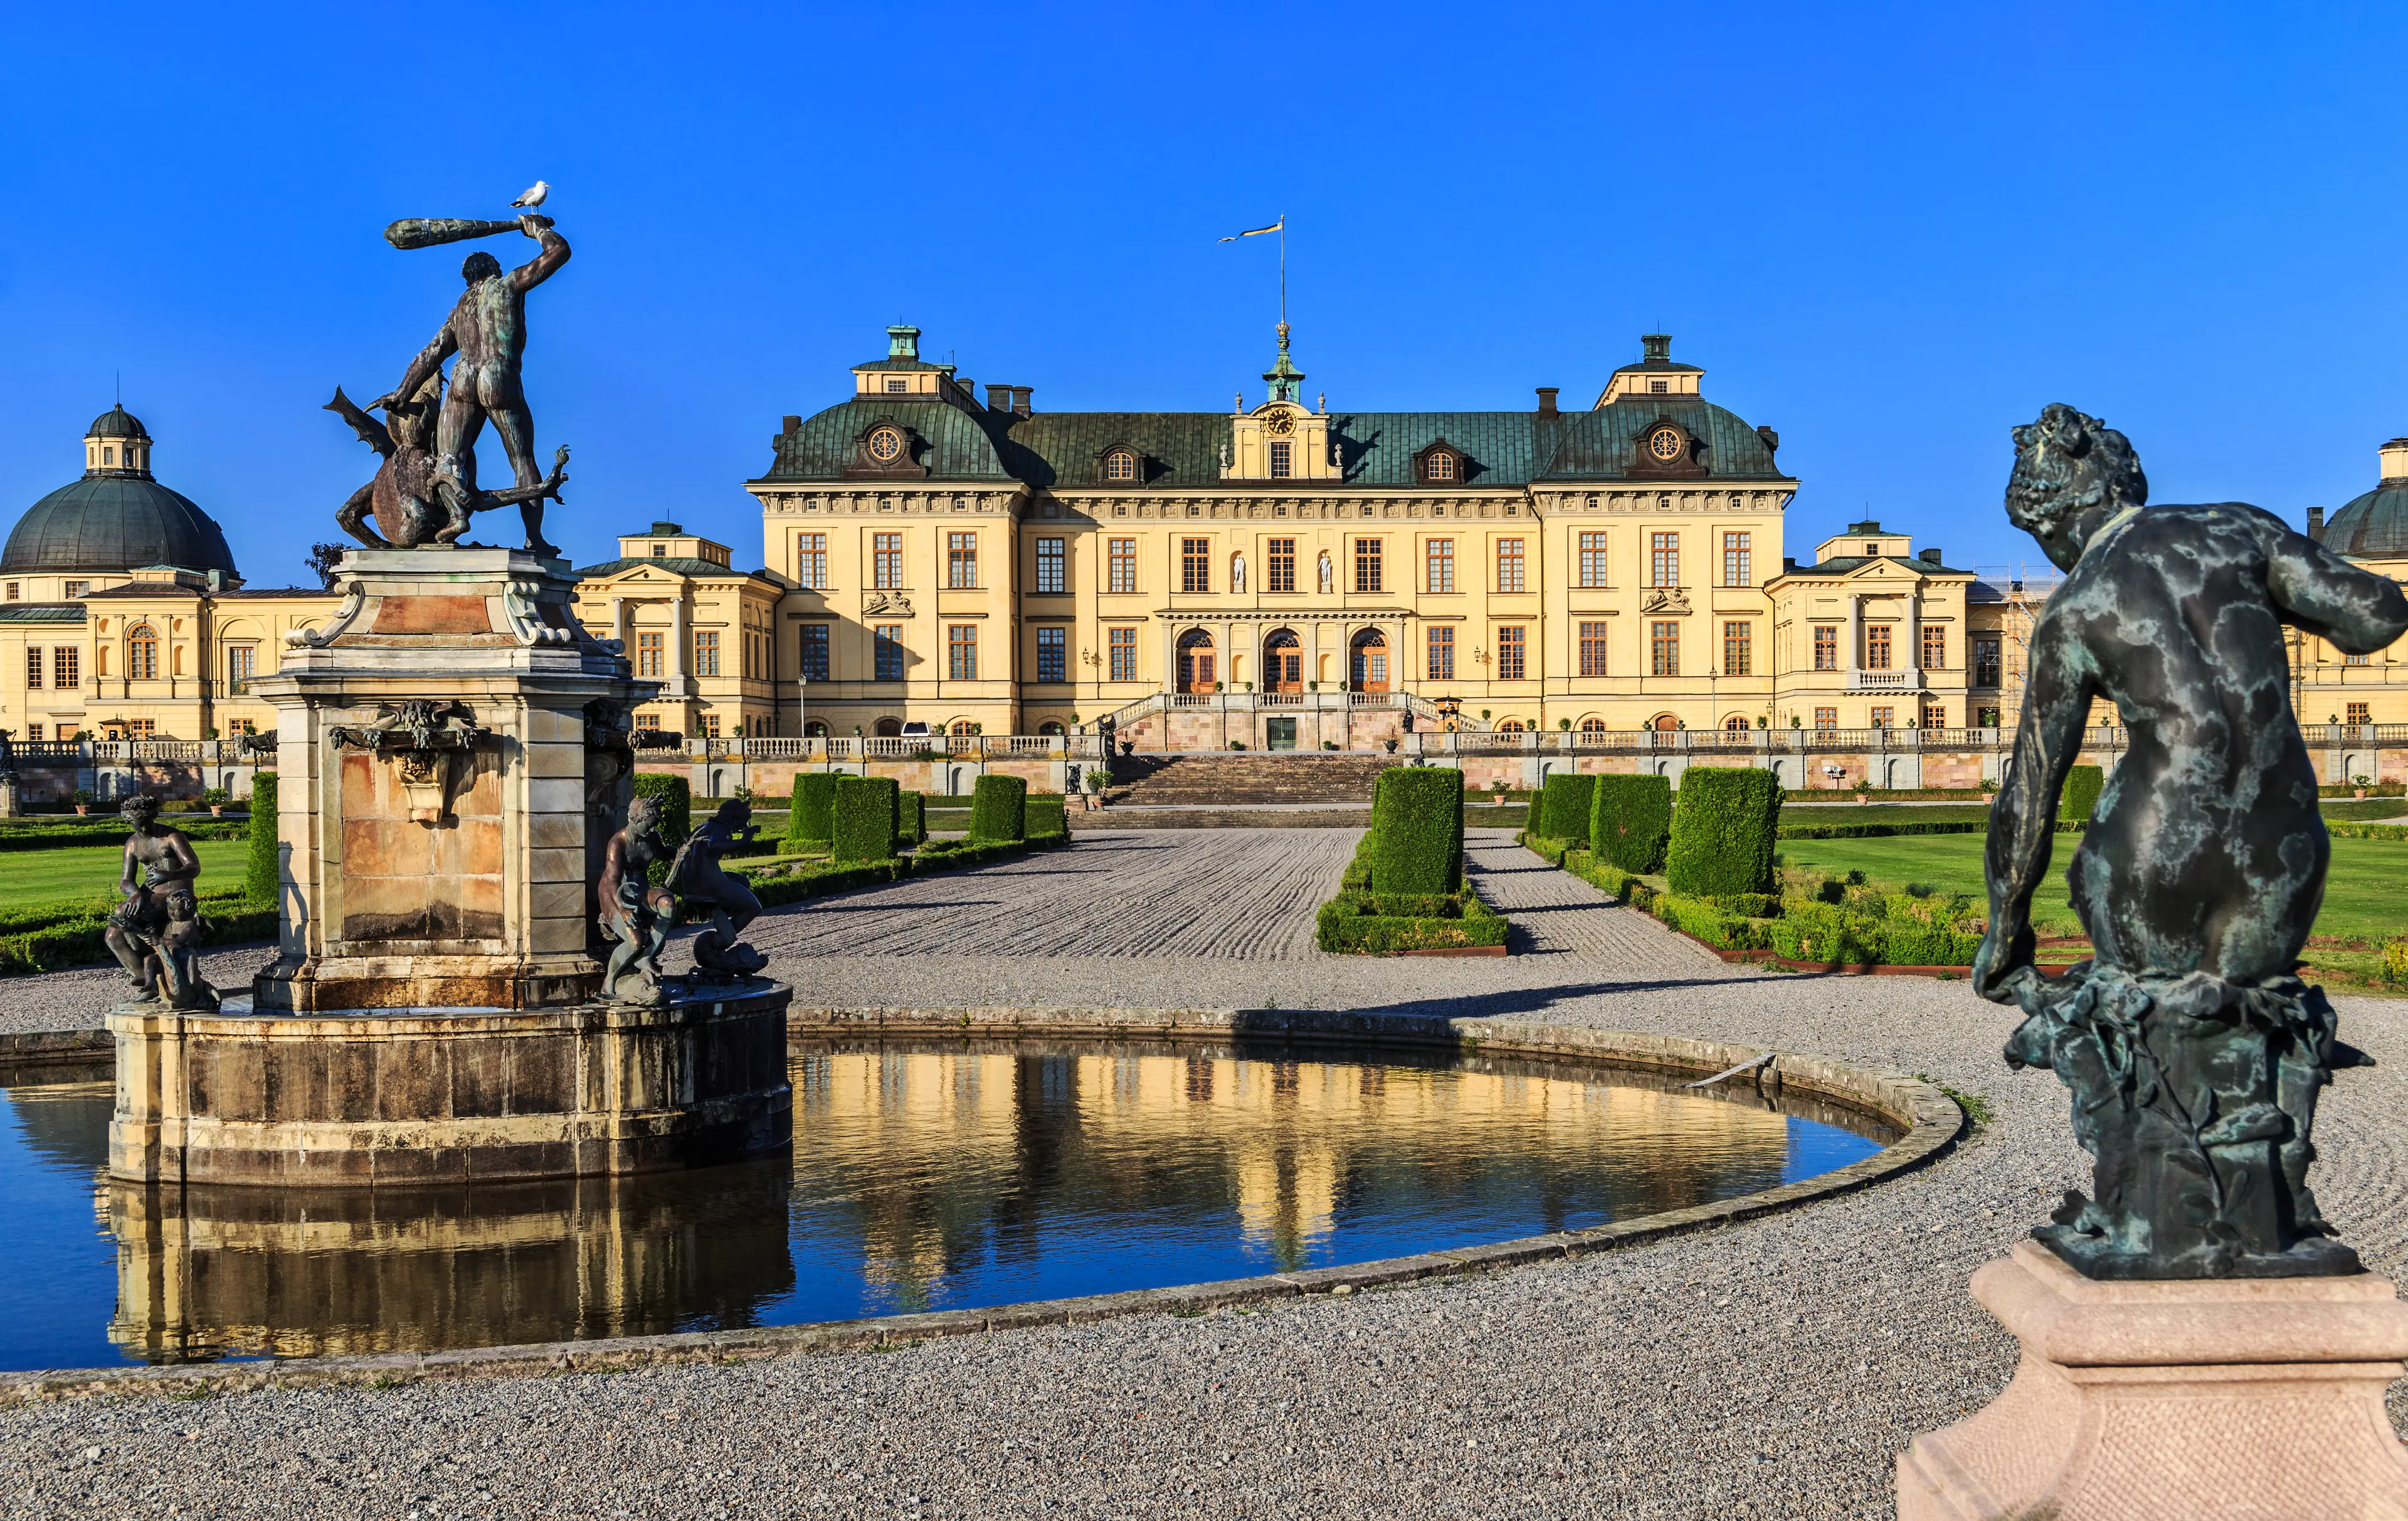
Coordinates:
1237	792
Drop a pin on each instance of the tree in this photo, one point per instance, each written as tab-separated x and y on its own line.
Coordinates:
322	559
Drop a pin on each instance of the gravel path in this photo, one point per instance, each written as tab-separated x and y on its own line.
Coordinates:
1767	1370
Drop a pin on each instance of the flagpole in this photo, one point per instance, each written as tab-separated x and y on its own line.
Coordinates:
1283	221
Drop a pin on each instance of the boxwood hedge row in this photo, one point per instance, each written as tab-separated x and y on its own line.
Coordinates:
1724	824
1630	819
999	807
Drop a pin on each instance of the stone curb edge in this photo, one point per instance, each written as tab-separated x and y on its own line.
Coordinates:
1932	1120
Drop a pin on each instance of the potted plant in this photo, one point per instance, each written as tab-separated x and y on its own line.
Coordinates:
1864	790
2361	783
1389	745
1565	724
217	799
82	800
1094	790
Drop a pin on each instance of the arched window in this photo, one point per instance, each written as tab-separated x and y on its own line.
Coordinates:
815	728
1439	466
1367	654
1197	661
142	654
1120	464
1509	726
963	726
1736	724
887	728
1664	723
1050	727
1592	724
1282	661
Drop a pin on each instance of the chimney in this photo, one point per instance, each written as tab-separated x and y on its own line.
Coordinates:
1547	400
1930	556
1772	439
794	424
2395	460
1020	394
2316	524
998	398
969	389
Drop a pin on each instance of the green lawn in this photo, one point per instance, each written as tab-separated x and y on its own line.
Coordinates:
2366	895
29	878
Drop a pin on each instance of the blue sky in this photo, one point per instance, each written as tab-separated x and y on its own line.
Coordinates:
1889	232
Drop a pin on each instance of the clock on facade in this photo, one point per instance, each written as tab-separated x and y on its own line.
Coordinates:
1280	423
886	446
1665	443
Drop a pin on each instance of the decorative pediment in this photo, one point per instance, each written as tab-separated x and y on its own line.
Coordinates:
1670	601
893	602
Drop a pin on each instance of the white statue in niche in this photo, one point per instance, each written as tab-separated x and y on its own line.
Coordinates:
1238	572
1328	574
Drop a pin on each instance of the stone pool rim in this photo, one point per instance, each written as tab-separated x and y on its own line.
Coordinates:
1930	1121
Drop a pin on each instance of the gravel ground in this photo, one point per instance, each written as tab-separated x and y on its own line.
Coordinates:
1772	1368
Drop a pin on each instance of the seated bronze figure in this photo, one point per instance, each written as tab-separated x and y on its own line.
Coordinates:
155	932
696	876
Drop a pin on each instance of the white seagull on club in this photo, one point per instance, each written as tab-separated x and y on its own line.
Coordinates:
533	196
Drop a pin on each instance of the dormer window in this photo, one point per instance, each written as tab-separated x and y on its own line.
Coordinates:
1120	464
108	454
1438	467
897	386
1440	463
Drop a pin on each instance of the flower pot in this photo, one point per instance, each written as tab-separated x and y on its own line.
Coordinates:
217	810
82	810
2360	793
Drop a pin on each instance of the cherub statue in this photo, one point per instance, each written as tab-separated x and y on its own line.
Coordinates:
155	933
697	877
634	912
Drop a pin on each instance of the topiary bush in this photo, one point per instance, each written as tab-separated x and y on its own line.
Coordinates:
807	820
1568	799
999	807
1534	817
259	868
865	815
1417	838
1724	824
1045	818
913	828
677	814
1630	820
2081	795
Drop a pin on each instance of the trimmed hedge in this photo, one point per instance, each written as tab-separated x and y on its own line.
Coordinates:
1569	798
999	807
1415	842
26	835
864	818
807	815
1534	816
677	815
80	941
1361	923
259	876
2366	831
1724	824
1630	820
913	827
1045	817
2083	784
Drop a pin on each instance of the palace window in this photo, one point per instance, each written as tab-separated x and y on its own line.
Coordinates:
1050	574
1877	647
1827	718
34	667
1986	718
1739	649
706	651
2354	660
1283	459
886	652
1442	654
63	662
1052	655
814	654
1123	652
1664	559
1664	648
886	561
1366	565
72	589
961	651
34	732
1592	724
1826	648
1935	649
1988	668
660	551
1195	564
896	386
12	591
648	654
2355	714
711	726
1737	569
1438	466
1885	718
1122	563
1120	464
242	662
649	723
1934	716
961	561
811	561
1513	654
1509	565
1437	558
142	655
1658	388
1279	574
1510	725
1592	559
1592	648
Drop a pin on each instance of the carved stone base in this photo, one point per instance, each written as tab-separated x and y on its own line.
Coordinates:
382	1097
2174	1401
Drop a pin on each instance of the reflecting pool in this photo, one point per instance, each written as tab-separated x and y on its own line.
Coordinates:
926	1175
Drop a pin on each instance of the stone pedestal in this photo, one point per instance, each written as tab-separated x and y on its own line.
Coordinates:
2175	1402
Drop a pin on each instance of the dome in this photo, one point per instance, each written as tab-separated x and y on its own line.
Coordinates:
2373	526
105	522
117	422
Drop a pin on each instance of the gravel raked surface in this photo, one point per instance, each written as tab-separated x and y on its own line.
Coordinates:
1772	1368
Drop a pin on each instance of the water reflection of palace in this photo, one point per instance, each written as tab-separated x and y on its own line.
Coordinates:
960	1155
203	1273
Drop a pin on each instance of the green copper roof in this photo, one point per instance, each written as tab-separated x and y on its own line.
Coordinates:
682	565
41	612
106	521
1602	445
2373	526
949	441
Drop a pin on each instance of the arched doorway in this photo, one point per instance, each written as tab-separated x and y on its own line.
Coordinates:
1368	659
1664	723
1592	724
1509	726
815	728
1196	660
887	728
1051	728
1736	724
1282	661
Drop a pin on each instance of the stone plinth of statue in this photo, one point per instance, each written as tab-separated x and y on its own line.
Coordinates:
452	763
2175	1399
